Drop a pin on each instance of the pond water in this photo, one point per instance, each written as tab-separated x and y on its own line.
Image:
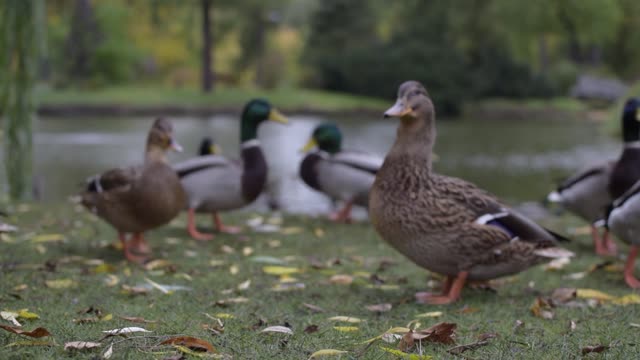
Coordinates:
517	160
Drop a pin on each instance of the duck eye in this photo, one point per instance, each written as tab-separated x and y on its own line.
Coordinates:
416	93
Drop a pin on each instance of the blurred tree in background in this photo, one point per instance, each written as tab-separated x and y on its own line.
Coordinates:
18	64
462	49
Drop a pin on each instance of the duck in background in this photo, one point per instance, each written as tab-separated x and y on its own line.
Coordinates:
342	175
586	195
139	198
445	224
214	183
208	146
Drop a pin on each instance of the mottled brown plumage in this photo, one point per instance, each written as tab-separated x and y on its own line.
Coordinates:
445	224
139	198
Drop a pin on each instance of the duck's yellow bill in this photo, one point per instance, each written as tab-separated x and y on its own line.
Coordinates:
397	110
275	115
309	145
215	149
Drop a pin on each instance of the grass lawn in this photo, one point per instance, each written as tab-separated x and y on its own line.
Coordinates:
222	97
61	266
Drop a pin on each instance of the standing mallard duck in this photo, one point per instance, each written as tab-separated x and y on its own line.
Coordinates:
208	146
215	183
139	198
624	221
340	174
445	224
586	195
627	169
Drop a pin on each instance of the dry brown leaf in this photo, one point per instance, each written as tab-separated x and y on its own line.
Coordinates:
467	310
190	342
443	333
37	333
563	295
134	290
379	307
311	329
81	345
594	349
407	342
542	308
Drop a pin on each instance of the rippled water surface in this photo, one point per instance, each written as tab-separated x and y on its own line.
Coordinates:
518	161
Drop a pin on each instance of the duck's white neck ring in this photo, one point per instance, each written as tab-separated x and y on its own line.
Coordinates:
632	145
250	143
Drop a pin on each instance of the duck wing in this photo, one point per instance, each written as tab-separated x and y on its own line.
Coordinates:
201	163
488	210
359	160
114	179
585	174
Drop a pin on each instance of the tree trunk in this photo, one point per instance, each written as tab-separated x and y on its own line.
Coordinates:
207	48
17	71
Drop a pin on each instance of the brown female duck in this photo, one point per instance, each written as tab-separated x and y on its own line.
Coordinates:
444	224
139	198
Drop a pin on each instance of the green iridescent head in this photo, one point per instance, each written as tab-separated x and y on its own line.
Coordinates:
254	113
327	137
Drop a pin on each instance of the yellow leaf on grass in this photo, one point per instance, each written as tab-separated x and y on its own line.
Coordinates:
318	232
47	238
327	352
593	294
224	316
107	317
60	283
25	314
291	230
404	355
186	350
395	330
111	280
280	270
104	268
432	314
348	319
346	328
627	299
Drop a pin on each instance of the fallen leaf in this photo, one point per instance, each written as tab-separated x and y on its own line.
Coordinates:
227	249
234	269
155	285
137	319
313	308
563	295
443	333
244	285
47	238
268	260
37	333
456	350
291	230
311	329
572	325
594	349
431	314
541	308
236	300
575	276
111	280
224	316
278	329
134	290
348	319
127	330
318	232
81	345
288	287
157	264
379	307
346	328
557	264
519	324
327	352
341	279
593	294
627	299
107	354
407	342
60	283
634	325
487	336
404	355
280	270
392	331
247	251
11	317
467	310
20	287
190	342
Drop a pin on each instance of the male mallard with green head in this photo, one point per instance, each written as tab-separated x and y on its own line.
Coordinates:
445	224
215	183
627	169
139	198
340	174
